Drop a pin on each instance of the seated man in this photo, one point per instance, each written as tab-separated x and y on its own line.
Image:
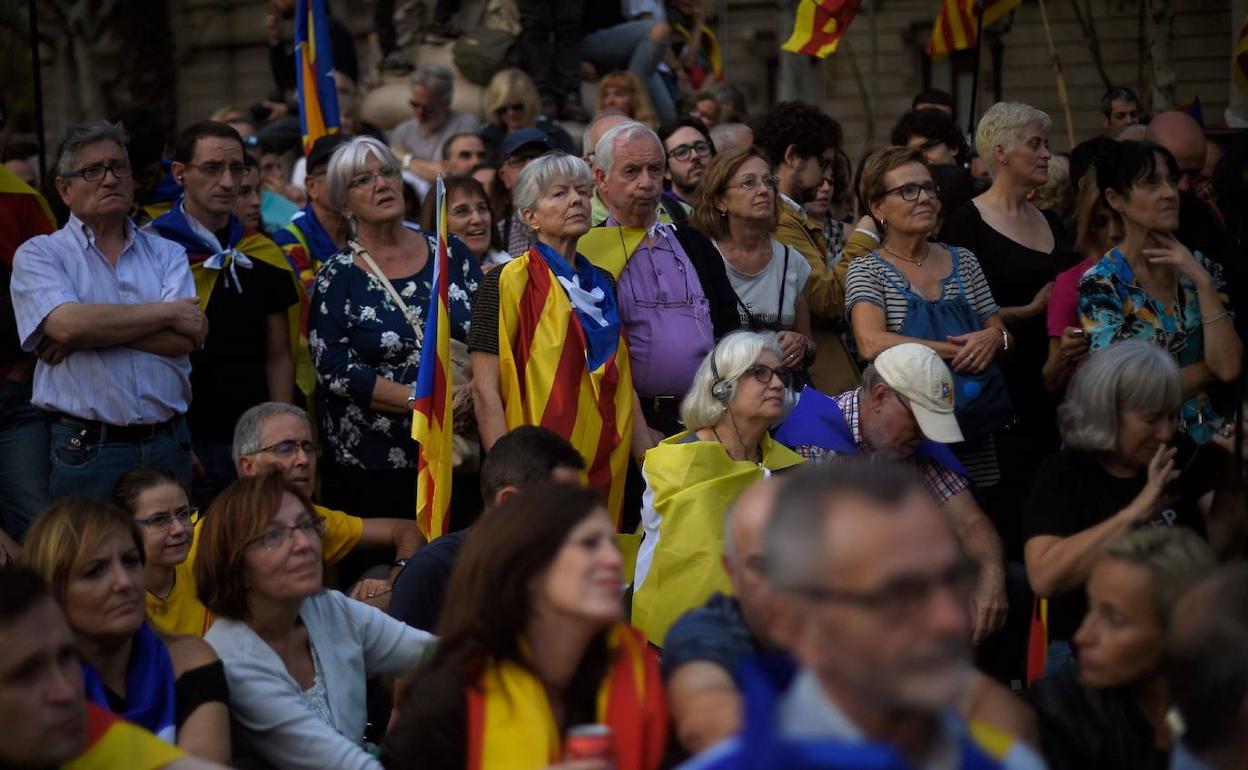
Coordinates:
706	646
869	594
278	437
418	141
43	706
524	456
462	153
904	411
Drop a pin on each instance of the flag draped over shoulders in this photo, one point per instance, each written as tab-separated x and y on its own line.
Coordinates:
114	744
690	484
10	183
610	248
511	725
563	363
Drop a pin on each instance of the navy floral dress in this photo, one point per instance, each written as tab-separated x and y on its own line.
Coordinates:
357	332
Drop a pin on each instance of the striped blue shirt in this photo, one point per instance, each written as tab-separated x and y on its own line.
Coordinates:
117	385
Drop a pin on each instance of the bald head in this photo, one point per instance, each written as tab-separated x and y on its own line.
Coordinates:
1179	133
594	131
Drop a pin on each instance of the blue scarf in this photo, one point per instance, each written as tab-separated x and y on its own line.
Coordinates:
149	686
175	226
167	189
320	245
602	331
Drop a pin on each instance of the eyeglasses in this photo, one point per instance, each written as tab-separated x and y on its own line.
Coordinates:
280	536
287	448
904	597
367	179
682	152
96	171
214	169
750	183
506	108
161	522
763	373
910	192
421	107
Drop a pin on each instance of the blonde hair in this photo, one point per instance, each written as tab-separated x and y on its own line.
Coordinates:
1055	194
69	528
1088	200
1003	124
643	110
513	84
1175	557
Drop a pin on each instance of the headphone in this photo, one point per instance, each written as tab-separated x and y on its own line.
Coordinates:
721	391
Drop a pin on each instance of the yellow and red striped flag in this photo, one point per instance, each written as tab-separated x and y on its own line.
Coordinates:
1239	64
314	65
114	742
820	25
432	422
954	29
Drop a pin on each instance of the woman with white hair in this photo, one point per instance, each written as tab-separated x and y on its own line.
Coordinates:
692	478
1119	472
366	328
547	342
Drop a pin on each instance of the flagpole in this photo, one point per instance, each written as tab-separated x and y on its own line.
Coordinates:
37	80
1062	96
979	47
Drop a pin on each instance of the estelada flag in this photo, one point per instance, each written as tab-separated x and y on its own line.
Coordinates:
432	423
1239	64
820	25
314	66
954	29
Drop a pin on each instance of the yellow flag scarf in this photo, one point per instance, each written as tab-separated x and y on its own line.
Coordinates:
9	183
689	486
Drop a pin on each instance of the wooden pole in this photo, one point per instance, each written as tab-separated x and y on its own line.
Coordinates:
979	47
36	67
1062	96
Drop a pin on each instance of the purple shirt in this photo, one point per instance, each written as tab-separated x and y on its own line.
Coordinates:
666	314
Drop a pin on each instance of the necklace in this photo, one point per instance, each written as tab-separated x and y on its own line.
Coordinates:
927	249
164	600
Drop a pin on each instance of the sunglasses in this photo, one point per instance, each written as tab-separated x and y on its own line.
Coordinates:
506	108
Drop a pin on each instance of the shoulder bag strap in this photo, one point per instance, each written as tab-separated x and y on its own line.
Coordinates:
784	280
360	252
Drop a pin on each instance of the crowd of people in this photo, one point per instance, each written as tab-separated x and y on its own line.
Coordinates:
761	459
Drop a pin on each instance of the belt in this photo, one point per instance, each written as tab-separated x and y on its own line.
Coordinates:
91	431
662	403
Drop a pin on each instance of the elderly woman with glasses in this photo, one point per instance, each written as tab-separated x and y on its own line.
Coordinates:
296	655
692	478
365	332
737	209
161	508
514	104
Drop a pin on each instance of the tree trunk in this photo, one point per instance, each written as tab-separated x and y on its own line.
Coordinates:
1158	29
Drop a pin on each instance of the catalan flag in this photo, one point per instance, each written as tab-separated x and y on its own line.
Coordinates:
314	64
954	29
112	742
820	25
431	407
1239	64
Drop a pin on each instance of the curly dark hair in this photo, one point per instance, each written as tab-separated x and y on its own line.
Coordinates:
931	124
811	131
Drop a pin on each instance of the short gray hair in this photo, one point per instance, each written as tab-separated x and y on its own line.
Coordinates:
1003	123
437	79
544	171
82	134
250	426
348	161
1127	376
795	545
1175	557
731	356
728	136
604	151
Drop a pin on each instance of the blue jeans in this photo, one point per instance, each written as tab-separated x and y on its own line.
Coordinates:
628	46
91	468
23	459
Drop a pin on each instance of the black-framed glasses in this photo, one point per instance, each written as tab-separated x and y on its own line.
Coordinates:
683	151
763	374
97	171
910	192
751	183
368	178
279	536
903	597
214	169
160	522
287	448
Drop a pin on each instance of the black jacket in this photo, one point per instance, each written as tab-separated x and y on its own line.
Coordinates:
1082	727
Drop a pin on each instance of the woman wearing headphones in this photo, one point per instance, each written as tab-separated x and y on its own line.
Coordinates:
691	478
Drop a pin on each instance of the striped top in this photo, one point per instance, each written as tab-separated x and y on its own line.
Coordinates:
866	282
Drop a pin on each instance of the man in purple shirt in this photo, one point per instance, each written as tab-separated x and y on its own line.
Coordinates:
674	295
111	312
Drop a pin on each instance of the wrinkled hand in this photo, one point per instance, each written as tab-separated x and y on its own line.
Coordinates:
51	352
989	606
1169	252
977	350
1161	472
188	319
793	347
374	591
1072	346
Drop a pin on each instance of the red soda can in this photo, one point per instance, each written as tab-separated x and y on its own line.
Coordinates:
590	742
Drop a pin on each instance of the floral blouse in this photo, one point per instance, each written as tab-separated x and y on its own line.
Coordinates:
357	332
1113	308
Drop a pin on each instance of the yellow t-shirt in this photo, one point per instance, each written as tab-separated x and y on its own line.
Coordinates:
342	532
182	612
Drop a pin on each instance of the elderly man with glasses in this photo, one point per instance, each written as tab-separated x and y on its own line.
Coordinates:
112	313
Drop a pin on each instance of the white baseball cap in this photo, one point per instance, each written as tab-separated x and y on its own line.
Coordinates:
916	372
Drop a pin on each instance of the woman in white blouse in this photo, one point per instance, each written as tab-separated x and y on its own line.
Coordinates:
296	655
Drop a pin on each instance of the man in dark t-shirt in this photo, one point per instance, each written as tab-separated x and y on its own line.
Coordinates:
527	455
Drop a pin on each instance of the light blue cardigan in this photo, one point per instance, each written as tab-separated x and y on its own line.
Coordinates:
353	641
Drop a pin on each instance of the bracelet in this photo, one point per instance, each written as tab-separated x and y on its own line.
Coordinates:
1005	340
400	563
411	402
1213	319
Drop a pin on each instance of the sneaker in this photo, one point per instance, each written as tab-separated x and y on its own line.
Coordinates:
396	63
441	32
573	111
